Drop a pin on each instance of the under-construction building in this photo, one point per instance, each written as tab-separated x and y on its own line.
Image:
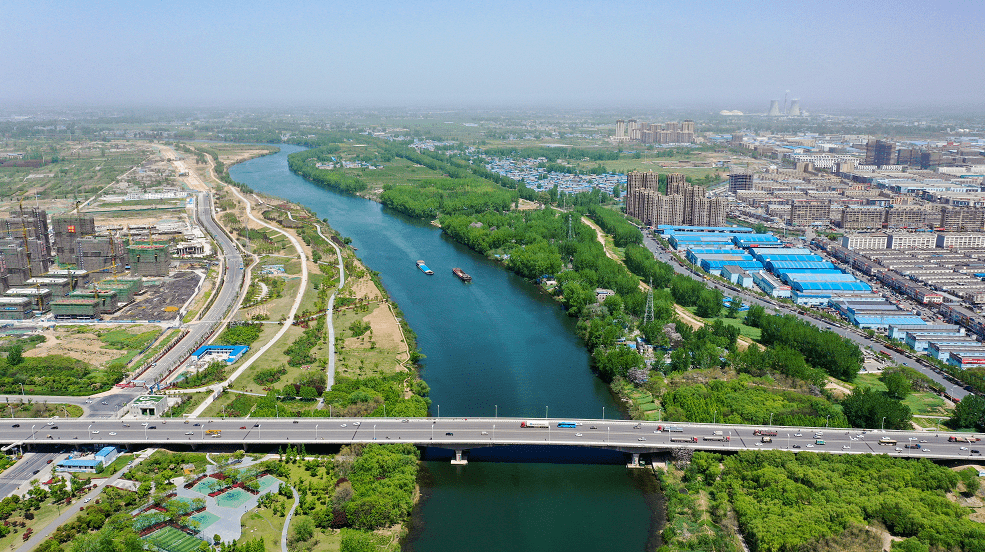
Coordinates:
106	299
879	152
149	259
739	181
68	228
96	253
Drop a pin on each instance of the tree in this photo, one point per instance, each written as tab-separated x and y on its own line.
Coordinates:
754	316
733	307
16	355
897	386
304	529
866	407
709	303
970	412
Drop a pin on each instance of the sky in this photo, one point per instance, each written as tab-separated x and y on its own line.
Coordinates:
472	53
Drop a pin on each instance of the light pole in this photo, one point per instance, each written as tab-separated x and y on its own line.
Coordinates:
33	435
494	432
384	410
883	427
22	390
545	414
607	434
788	441
90	431
258	432
496	405
316	432
203	432
374	432
276	410
771	418
432	430
714	418
439	410
827	420
603	412
145	432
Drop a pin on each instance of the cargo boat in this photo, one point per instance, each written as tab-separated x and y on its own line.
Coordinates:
461	274
424	268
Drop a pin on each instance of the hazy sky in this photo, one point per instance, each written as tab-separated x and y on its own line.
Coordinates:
724	55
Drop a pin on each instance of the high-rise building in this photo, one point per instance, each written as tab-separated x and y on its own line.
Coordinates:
620	128
739	181
806	212
862	217
879	152
683	203
68	228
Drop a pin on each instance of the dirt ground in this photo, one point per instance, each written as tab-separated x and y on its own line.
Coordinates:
387	332
154	304
82	346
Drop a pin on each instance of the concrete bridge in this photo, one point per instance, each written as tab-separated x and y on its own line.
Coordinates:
463	434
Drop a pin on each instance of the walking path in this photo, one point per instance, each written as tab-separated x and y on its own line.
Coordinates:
287	521
330	371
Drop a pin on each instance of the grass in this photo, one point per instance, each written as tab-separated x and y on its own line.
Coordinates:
44	411
752	333
262	523
922	404
172	540
42	517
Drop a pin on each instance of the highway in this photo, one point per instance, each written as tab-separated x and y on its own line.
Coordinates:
749	298
467	433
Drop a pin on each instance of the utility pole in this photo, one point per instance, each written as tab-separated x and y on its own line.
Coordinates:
648	314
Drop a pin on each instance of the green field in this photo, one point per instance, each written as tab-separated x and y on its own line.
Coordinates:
170	539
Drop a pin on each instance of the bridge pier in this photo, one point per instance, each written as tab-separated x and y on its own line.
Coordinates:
635	462
458	460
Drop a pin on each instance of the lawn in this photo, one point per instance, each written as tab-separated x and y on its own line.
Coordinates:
748	331
172	540
923	404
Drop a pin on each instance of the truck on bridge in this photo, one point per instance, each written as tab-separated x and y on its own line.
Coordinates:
683	439
960	439
569	425
768	432
534	423
887	441
725	438
675	429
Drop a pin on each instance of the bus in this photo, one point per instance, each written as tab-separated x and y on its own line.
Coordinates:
569	425
213	432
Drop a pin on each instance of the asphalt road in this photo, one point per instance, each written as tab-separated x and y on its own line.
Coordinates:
662	255
466	433
23	471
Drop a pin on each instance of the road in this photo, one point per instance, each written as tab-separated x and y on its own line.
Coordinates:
467	433
852	334
24	471
330	370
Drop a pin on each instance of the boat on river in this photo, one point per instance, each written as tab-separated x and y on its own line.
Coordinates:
424	268
462	275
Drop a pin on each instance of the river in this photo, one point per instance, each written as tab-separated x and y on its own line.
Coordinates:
495	346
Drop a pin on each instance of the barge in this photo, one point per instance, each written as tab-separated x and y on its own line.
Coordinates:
461	274
424	268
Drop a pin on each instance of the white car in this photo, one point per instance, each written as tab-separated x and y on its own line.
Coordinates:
144	424
343	425
86	501
579	435
797	435
485	433
846	446
964	448
95	431
810	445
356	423
912	438
189	433
112	433
642	439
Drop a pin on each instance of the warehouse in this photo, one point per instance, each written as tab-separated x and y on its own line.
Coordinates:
899	332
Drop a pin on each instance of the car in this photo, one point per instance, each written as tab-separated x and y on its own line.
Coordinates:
112	433
86	501
144	424
126	425
797	435
197	424
54	427
642	439
449	433
51	423
151	427
912	439
95	431
923	440
975	451
16	425
189	433
759	444
104	402
343	425
964	448
485	433
294	422
593	427
356	423
49	461
899	449
242	427
796	446
810	445
846	446
404	421
36	472
256	424
577	434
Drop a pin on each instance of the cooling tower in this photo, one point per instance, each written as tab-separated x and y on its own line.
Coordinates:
794	108
774	109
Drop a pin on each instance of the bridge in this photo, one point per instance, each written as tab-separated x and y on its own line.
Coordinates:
463	434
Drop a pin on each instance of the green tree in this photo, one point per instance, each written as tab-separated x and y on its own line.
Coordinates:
15	355
709	303
733	307
754	316
867	408
897	386
970	412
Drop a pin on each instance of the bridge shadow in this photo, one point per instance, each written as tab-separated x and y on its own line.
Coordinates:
531	454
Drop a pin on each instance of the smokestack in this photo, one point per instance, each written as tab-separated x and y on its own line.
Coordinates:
794	108
774	109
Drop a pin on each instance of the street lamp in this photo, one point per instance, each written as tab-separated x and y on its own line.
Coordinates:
316	432
883	423
714	418
827	420
203	432
432	430
494	432
384	410
33	435
497	411
607	434
145	432
771	418
374	432
439	410
90	431
545	414
603	412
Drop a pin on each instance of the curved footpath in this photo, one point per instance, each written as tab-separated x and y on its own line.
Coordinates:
215	388
287	521
330	308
